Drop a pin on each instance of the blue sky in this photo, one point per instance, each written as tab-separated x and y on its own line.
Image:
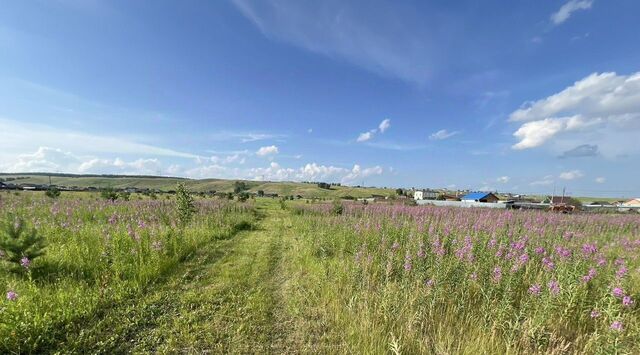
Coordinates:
511	96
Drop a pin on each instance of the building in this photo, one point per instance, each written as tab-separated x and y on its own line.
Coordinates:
562	200
481	197
425	195
633	202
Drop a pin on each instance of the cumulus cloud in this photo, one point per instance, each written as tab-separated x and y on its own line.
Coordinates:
503	179
314	172
568	9
382	127
601	180
268	150
442	134
119	166
363	137
601	108
571	175
45	159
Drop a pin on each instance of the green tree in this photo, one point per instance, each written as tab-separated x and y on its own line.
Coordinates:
185	205
239	186
19	243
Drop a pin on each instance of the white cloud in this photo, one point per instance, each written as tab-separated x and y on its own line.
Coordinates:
210	171
119	166
571	175
392	41
384	125
442	134
533	134
358	173
601	180
314	172
601	109
503	179
547	180
363	137
268	150
45	159
244	137
233	158
569	8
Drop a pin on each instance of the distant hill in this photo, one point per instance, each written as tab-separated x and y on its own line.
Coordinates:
309	190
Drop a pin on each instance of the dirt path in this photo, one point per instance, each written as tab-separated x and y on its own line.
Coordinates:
225	299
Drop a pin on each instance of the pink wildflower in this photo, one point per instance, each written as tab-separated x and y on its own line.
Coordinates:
617	326
554	287
12	296
535	290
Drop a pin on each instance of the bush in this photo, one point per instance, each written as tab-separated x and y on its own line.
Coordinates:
52	192
337	208
186	208
109	194
239	186
20	244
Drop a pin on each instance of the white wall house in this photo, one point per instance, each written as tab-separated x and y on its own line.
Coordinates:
425	195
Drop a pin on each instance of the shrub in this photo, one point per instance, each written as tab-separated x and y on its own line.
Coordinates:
186	208
20	244
52	192
243	196
109	193
337	208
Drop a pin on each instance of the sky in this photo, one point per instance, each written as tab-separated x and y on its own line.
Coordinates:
520	96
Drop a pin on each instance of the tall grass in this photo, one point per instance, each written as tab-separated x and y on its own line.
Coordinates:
98	254
439	280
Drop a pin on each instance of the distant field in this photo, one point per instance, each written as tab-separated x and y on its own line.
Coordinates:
168	183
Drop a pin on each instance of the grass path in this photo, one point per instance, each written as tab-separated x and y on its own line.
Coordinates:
225	299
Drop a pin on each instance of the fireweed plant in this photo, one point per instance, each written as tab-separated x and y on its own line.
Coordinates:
432	279
99	253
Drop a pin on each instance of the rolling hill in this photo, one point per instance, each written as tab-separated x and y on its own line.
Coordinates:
309	190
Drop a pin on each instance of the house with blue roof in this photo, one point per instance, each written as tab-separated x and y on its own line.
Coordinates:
481	197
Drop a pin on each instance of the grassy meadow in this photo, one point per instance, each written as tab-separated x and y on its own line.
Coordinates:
265	276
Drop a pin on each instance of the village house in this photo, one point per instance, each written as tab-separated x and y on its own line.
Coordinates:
425	195
481	197
632	203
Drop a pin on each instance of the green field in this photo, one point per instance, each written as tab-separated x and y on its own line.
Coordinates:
167	183
269	276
